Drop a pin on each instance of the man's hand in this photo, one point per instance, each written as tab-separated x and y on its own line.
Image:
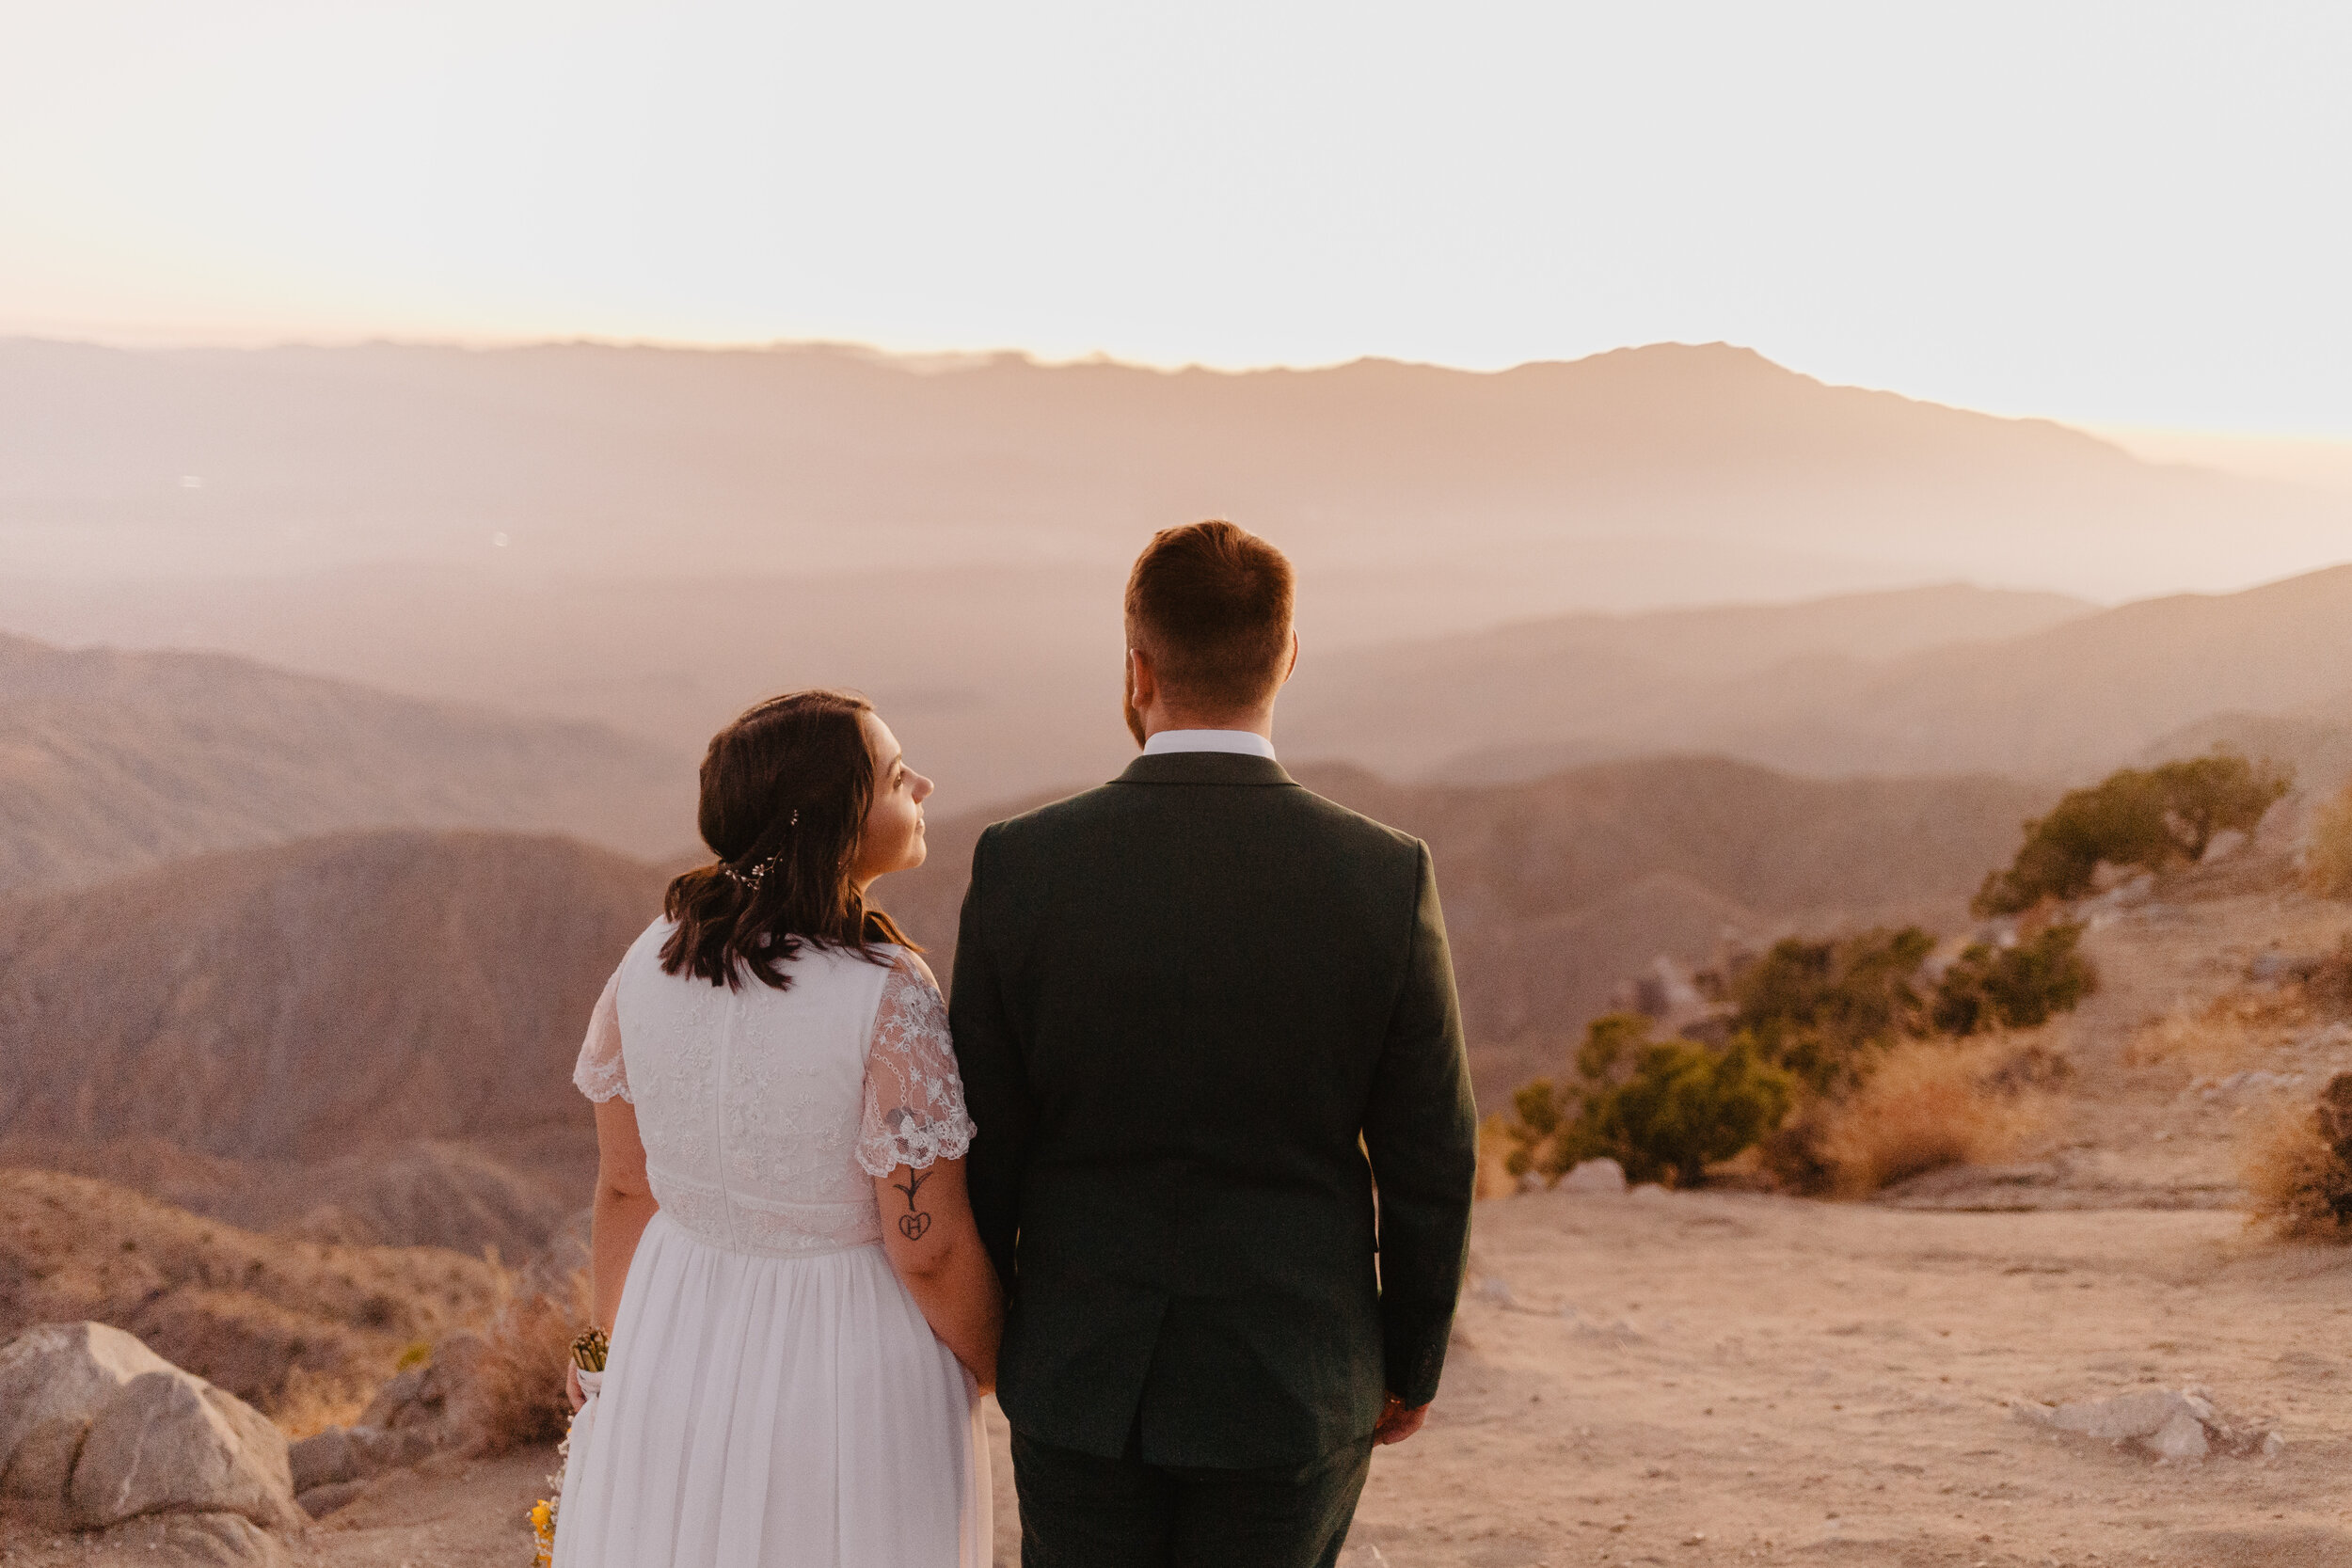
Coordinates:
1397	1422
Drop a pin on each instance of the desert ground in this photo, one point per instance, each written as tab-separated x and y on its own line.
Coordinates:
1723	1376
1736	1378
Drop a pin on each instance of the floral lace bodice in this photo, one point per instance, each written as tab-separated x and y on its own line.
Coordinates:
767	1114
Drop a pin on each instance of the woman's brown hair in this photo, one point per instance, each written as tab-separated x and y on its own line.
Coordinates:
784	793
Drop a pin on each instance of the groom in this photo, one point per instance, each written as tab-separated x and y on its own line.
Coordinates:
1207	1027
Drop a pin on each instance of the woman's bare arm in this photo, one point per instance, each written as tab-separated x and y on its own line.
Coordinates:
935	1248
624	1204
617	1217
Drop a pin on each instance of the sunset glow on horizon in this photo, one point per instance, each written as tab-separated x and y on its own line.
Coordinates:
2112	215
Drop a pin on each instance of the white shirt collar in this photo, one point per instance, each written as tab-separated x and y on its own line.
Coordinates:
1243	742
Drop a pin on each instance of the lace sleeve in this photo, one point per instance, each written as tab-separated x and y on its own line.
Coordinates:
914	1096
601	1074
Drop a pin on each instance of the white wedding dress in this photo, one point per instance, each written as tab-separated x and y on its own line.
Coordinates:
774	1396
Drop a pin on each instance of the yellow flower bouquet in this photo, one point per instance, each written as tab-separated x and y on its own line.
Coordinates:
588	1353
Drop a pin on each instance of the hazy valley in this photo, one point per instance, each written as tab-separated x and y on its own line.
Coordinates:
350	704
652	539
112	761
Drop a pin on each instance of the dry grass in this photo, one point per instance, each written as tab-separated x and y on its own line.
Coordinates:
2326	982
515	1393
312	1401
2295	1170
2233	1030
1932	1104
289	1326
2327	855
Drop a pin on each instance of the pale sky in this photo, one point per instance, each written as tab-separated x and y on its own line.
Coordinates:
2122	213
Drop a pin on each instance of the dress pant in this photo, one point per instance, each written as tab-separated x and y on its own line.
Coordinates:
1079	1510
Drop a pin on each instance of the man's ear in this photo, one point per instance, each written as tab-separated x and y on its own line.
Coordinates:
1142	685
1292	668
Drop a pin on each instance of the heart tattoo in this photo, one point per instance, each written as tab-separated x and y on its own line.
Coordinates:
912	1226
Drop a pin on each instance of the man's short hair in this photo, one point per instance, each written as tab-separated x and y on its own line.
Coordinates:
1210	604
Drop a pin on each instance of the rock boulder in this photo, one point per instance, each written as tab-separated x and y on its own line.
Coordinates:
430	1398
54	1381
2175	1425
96	1428
1604	1178
171	1443
2140	1414
355	1452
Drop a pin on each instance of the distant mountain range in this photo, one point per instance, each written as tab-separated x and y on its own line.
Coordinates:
113	761
1005	680
2063	702
1520	490
652	539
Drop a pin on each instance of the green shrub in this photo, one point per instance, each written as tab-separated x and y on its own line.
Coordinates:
1532	1131
1811	1022
1686	1107
1665	1110
2151	818
2015	988
1824	1010
1610	1046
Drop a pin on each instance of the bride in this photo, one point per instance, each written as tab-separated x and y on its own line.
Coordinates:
802	1316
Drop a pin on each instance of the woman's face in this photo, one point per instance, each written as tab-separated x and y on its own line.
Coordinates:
893	838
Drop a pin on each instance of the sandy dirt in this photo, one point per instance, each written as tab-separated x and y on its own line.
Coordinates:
1725	1377
1701	1377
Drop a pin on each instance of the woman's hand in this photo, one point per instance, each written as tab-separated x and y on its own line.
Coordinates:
571	1385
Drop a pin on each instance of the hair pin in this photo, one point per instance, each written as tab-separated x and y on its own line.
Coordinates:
759	873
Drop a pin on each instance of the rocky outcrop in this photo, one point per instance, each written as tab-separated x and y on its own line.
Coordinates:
332	1467
171	1443
1602	1178
418	1413
96	1430
430	1398
53	1381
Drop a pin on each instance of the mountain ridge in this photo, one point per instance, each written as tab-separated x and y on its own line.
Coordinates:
2060	705
308	1000
112	760
787	457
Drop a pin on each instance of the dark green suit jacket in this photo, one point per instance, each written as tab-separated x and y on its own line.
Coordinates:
1199	1013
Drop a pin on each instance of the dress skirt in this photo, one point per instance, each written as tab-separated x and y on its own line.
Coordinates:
762	1411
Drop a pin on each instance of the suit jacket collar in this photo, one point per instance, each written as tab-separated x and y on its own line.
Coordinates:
1205	767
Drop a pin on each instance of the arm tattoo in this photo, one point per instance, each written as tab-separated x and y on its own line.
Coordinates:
913	1223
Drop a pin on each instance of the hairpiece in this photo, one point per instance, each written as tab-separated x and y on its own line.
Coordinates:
751	877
